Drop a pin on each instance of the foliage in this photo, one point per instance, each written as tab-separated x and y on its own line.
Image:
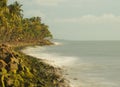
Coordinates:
19	70
13	27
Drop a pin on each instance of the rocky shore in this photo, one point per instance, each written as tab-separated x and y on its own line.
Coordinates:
20	70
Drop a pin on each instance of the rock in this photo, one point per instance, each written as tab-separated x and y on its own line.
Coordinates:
19	70
13	66
75	78
2	64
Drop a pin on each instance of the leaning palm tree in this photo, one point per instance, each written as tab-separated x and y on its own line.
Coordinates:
15	11
4	11
15	18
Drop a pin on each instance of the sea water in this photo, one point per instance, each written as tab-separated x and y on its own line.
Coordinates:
85	63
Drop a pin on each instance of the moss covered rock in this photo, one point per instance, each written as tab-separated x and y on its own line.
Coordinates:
11	68
19	70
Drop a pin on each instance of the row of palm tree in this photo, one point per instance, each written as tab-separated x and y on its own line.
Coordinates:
13	27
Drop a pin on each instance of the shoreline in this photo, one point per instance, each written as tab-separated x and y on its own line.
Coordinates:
58	71
63	69
46	74
56	60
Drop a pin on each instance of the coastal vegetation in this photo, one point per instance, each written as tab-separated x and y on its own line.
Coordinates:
15	28
19	70
16	68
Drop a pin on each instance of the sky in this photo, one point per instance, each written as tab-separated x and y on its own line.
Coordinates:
77	19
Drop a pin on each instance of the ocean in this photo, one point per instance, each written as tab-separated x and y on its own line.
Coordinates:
85	63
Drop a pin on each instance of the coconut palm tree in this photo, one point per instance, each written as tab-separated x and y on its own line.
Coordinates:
15	19
4	11
15	12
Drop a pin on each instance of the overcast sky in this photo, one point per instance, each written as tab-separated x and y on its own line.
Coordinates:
77	19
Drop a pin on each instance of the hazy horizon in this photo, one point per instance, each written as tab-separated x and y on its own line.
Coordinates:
77	20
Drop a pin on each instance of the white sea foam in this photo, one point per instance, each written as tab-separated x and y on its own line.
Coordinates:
53	58
57	43
77	71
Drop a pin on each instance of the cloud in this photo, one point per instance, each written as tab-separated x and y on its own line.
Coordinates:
40	2
33	7
36	13
92	19
49	2
89	27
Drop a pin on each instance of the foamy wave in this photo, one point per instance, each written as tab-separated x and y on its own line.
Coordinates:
59	60
29	50
53	58
80	73
57	43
